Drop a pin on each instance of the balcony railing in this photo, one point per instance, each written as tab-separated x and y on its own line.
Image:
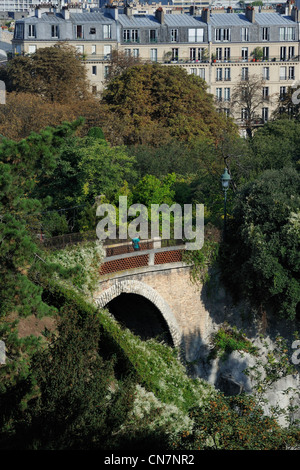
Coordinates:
251	59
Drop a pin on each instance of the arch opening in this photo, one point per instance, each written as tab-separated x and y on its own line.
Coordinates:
141	316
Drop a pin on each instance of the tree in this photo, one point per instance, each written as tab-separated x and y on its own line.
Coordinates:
55	73
120	62
247	95
156	102
260	260
77	402
275	145
288	103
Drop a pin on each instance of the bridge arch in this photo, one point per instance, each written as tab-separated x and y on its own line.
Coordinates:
144	290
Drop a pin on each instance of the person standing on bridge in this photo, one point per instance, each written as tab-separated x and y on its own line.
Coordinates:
136	243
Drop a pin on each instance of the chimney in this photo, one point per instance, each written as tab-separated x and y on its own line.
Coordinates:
250	14
288	7
128	11
160	15
66	13
205	15
193	10
229	10
38	12
295	14
114	12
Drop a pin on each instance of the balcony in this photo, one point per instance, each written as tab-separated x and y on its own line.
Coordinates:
251	60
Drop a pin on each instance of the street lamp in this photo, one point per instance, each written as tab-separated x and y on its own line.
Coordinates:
225	179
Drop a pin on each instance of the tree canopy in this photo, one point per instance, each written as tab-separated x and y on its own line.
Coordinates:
262	251
157	102
55	73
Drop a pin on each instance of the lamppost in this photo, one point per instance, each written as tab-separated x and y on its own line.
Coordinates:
225	179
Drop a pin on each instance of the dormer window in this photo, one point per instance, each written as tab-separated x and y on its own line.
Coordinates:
54	31
31	30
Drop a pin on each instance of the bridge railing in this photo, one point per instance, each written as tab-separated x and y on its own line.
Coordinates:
152	252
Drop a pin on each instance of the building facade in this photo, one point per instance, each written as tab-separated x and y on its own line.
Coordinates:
218	47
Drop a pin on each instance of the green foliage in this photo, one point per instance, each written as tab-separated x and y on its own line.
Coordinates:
157	368
81	263
150	190
155	102
78	403
275	146
235	423
201	261
52	72
260	260
226	340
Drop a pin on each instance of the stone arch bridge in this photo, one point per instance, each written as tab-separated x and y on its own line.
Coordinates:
151	292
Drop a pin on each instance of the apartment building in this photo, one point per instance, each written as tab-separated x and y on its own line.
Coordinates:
19	5
217	47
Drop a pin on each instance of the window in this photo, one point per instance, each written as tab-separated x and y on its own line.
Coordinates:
226	94
31	49
219	94
106	71
286	34
282	92
94	89
107	51
92	30
79	31
93	49
201	53
292	73
226	112
127	52
31	30
222	34
282	73
174	35
175	54
245	73
152	35
283	53
202	73
245	34
19	31
196	34
227	75
244	114
265	114
265	92
265	34
153	55
266	73
226	53
106	31
291	52
192	53
244	53
80	49
54	31
219	53
136	52
94	70
266	53
289	34
193	71
130	35
219	74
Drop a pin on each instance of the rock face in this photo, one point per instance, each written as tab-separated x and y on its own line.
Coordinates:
228	374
